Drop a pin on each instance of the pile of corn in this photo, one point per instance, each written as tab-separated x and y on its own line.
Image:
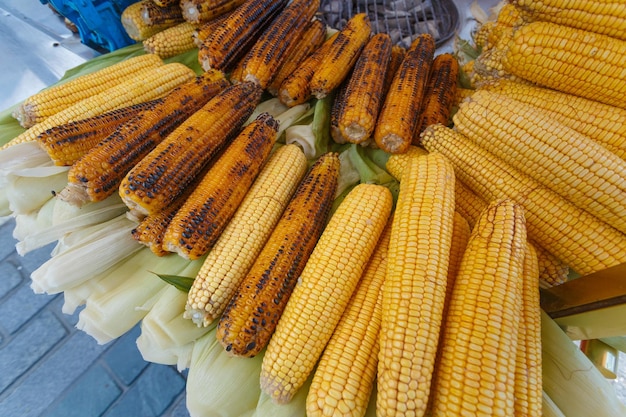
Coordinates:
302	276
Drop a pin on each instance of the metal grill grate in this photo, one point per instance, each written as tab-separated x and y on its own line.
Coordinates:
403	20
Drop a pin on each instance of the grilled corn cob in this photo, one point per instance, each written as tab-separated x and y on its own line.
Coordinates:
165	3
254	310
98	173
239	245
341	55
154	182
206	29
172	41
145	85
143	19
325	288
44	104
397	119
198	223
397	56
574	166
200	11
577	238
415	285
359	106
476	372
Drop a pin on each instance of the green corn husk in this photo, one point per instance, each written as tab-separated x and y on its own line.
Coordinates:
549	408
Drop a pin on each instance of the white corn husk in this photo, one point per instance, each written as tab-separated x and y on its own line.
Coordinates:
31	223
219	384
22	155
273	106
174	355
348	174
27	189
266	407
549	408
291	116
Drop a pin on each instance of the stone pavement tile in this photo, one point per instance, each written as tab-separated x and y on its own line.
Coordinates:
47	382
90	395
124	359
153	392
34	259
7	242
180	408
21	306
29	346
10	278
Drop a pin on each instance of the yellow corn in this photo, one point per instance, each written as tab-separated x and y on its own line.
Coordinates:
396	164
312	38
171	41
153	183
199	222
551	270
200	11
481	35
205	29
359	106
574	61
143	19
415	285
345	375
44	104
528	389
397	56
145	85
165	3
397	121
277	42
342	54
245	235
573	235
324	290
253	312
563	160
476	372
98	173
468	204
335	111
603	123
607	17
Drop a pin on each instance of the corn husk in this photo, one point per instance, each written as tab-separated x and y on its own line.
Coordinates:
549	408
273	107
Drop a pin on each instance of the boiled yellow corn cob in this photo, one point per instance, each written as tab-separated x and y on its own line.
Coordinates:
198	223
528	356
171	41
461	94
481	35
350	359
397	121
253	312
143	19
145	85
200	11
341	55
325	287
312	38
155	181
603	123
571	60
276	42
579	239
468	204
605	17
359	106
415	285
44	104
242	240
234	36
98	173
66	143
551	270
205	29
476	373
396	164
574	166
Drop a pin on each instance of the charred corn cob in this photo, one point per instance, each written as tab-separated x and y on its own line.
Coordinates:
66	143
205	29
325	288
234	36
160	176
98	174
563	160
171	41
165	3
44	104
359	106
439	95
277	41
154	15
573	235
199	222
571	60
312	38
342	54
143	19
397	56
254	310
239	245
145	85
200	11
354	342
476	372
335	111
603	123
604	17
397	119
415	285
296	88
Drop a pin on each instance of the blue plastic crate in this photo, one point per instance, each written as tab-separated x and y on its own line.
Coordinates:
98	21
